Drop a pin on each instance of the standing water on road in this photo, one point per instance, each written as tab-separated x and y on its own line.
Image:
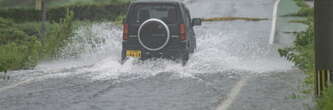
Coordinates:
234	66
97	48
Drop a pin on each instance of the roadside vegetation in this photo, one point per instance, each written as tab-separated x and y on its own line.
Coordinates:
91	12
23	45
302	53
56	3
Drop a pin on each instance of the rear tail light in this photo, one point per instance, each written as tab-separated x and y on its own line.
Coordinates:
182	32
125	32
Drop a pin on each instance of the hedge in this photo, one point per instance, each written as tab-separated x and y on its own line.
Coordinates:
91	12
20	50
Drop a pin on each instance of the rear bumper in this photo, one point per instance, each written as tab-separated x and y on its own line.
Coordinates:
168	54
174	50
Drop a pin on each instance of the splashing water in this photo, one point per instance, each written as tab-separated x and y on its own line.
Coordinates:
97	49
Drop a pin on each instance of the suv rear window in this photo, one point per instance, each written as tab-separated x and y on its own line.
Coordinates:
141	12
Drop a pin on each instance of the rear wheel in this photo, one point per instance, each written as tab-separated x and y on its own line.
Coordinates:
123	57
193	45
185	58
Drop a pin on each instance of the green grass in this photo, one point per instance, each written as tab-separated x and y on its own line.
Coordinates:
326	102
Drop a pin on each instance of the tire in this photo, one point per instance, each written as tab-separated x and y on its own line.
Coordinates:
194	45
185	58
123	58
153	22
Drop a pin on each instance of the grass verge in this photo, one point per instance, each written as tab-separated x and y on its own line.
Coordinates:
326	102
302	53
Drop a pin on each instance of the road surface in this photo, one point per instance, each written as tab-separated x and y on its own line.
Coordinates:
234	68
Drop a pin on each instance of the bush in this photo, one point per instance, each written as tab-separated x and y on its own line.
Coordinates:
93	12
16	3
54	3
17	54
20	48
21	15
59	34
9	32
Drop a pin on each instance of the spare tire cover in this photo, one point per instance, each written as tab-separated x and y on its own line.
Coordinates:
153	34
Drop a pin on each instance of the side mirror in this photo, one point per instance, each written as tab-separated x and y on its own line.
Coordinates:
196	22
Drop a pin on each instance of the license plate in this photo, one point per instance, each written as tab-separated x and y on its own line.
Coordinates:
133	53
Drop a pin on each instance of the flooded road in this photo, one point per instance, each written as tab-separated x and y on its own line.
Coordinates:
234	68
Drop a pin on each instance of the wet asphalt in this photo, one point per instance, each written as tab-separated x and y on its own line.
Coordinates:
271	82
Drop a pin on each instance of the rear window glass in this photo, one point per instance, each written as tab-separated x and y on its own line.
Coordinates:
165	12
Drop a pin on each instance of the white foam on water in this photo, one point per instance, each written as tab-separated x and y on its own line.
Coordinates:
96	48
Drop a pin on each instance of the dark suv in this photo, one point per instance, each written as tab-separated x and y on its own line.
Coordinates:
159	29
